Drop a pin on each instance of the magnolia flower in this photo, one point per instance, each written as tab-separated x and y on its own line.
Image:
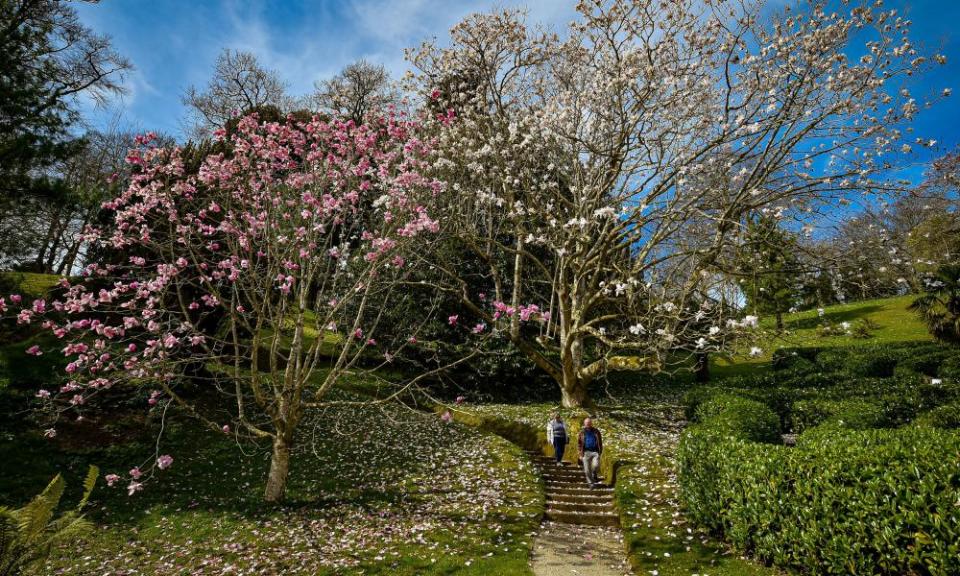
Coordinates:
447	417
452	320
135	473
111	479
133	488
164	462
43	393
34	350
226	428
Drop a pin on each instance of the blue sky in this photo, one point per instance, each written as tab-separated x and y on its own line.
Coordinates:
174	43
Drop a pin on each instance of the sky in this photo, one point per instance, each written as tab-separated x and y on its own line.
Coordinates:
173	44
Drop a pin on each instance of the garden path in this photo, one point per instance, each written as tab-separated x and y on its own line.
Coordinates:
562	549
580	535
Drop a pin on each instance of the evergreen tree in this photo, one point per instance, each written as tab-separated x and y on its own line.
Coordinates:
769	268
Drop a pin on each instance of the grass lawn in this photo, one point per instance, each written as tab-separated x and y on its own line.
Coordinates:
373	490
893	321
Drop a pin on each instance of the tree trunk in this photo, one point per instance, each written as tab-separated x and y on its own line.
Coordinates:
279	470
702	368
575	395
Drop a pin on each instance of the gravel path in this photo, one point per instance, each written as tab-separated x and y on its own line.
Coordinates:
570	549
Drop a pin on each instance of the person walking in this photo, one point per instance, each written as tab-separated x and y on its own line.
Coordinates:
590	447
557	437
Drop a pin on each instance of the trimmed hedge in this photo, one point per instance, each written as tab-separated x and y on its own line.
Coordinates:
734	416
842	502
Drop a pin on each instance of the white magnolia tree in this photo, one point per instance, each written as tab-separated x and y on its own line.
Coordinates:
598	178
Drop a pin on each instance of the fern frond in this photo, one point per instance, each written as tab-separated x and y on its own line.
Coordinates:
34	517
91	480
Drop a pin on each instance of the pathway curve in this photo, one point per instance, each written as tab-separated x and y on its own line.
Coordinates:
580	535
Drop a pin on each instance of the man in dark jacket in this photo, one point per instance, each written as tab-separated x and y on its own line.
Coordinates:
590	446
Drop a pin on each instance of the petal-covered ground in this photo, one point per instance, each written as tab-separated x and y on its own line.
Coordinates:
374	490
565	549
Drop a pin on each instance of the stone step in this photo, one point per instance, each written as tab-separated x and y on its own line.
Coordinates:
588	518
567	482
601	498
602	508
565	477
581	490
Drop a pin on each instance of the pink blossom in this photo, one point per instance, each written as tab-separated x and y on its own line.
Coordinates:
226	428
133	488
164	462
43	393
135	473
50	433
358	333
460	400
452	320
447	417
34	350
479	328
39	306
111	479
15	298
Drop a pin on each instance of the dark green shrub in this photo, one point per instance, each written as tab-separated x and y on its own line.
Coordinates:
787	358
732	415
833	359
876	363
843	502
853	414
946	416
694	398
950	368
925	364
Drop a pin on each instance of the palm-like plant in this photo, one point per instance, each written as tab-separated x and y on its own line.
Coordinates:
939	305
28	534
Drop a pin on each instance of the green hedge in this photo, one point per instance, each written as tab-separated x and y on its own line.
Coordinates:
947	416
842	502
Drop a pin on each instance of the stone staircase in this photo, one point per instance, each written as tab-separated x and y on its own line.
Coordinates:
570	499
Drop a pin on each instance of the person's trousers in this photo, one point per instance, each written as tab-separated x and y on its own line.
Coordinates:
559	445
591	462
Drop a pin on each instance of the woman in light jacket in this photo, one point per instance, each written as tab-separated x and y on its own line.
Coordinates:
557	437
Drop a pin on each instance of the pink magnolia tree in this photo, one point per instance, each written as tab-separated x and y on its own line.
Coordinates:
606	174
261	276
